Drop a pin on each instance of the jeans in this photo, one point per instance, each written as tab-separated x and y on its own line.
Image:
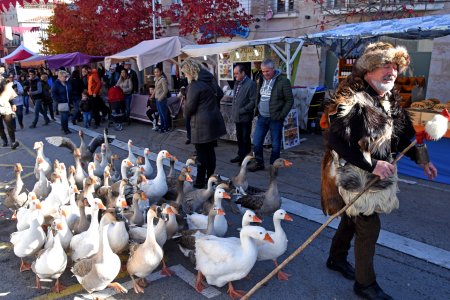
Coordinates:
87	119
39	108
64	115
76	109
19	115
50	107
163	113
9	121
128	105
263	125
26	103
243	131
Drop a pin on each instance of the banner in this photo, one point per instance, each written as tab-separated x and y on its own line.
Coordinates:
291	136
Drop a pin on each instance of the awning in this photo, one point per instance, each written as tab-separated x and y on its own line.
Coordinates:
349	36
34	61
19	54
284	54
151	52
71	59
211	49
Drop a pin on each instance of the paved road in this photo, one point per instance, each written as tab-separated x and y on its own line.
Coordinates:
414	235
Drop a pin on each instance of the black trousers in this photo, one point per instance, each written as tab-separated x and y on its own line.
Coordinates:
243	131
366	230
9	121
206	161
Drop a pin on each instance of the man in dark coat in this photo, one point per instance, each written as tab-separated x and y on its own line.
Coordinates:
207	124
366	128
242	111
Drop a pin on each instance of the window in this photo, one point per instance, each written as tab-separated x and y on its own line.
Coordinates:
285	5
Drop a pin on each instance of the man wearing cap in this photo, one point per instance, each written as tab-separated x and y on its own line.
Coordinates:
366	129
133	76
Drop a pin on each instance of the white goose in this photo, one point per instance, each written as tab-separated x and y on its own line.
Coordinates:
131	157
156	188
42	187
64	232
117	232
223	260
24	214
200	221
268	251
29	241
148	169
80	174
72	211
146	257
46	164
98	272
86	243
52	261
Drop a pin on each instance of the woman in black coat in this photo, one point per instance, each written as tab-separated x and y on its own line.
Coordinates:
203	108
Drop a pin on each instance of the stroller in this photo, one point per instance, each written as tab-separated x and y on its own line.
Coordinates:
116	100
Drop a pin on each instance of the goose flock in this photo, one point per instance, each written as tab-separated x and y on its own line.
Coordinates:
80	219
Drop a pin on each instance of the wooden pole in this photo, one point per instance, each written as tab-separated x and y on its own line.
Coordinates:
321	228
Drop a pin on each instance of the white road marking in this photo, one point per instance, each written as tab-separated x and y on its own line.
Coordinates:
387	239
179	270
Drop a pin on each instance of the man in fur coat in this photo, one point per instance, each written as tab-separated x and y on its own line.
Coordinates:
367	127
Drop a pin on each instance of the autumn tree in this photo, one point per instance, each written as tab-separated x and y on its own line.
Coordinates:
99	27
209	18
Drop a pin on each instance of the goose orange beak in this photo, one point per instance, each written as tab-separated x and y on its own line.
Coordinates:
287	163
124	204
143	196
168	155
170	211
226	195
130	164
256	219
288	218
101	206
267	238
39	205
63	212
76	190
59	226
220	212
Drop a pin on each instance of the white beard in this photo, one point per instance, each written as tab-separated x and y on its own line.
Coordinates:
383	87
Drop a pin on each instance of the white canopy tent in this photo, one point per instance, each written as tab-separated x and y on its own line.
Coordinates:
17	51
284	54
151	52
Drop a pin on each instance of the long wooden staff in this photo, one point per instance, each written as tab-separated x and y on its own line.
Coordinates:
321	228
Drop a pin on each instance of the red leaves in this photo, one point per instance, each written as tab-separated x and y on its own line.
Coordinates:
211	18
99	27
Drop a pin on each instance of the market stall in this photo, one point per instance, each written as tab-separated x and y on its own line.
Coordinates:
144	55
20	53
283	50
60	60
348	40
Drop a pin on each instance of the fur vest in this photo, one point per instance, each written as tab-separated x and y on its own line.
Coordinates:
372	127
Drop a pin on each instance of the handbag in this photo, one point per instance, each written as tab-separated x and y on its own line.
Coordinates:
63	107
